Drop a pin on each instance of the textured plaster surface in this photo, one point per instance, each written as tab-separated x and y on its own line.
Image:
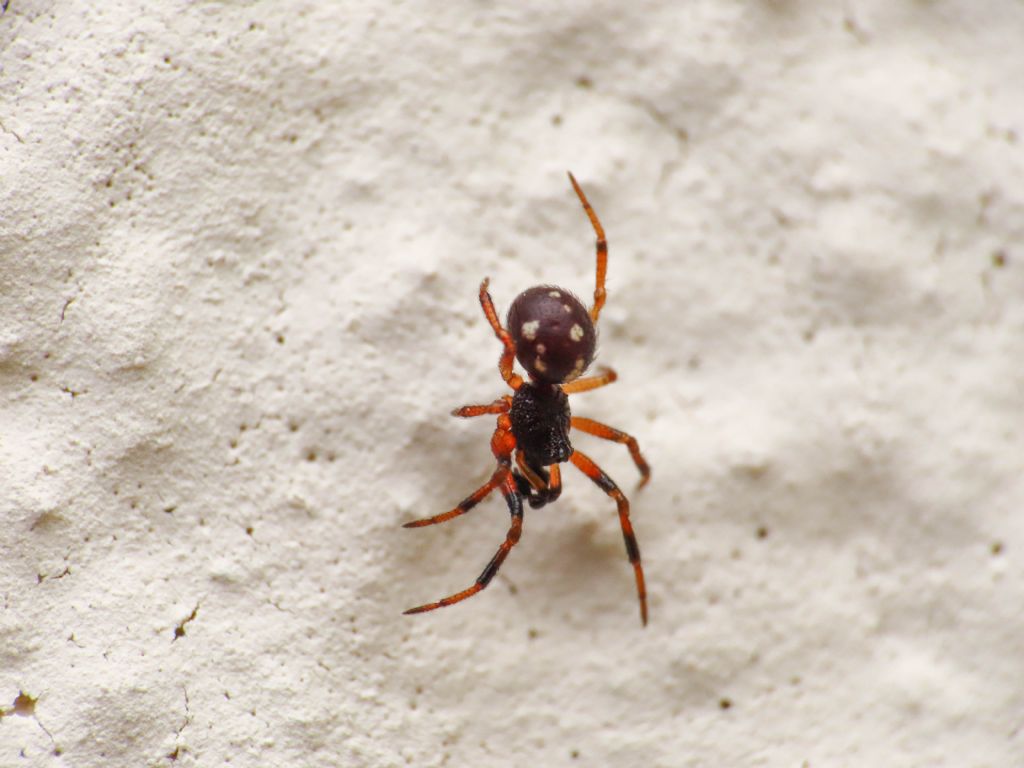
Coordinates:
239	251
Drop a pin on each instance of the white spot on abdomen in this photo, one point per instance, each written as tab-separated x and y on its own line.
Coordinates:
576	332
554	294
529	330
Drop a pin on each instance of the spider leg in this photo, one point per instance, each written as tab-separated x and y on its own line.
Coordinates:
515	508
604	377
502	444
509	354
538	485
605	432
606	484
501	405
602	251
467	503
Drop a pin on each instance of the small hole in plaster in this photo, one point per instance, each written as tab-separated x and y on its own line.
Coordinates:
179	631
762	532
24	705
725	703
997	548
999	258
310	455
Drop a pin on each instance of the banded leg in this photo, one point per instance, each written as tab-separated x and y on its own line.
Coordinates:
604	377
515	508
602	251
597	429
514	380
467	503
501	405
606	484
503	443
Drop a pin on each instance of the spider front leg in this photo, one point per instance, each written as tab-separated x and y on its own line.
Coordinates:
515	508
467	503
502	445
606	484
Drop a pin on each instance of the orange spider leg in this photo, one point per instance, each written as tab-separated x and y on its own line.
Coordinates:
509	355
467	503
605	432
515	508
501	405
502	445
606	484
604	377
602	251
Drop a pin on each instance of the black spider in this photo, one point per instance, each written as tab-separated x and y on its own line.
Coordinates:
554	338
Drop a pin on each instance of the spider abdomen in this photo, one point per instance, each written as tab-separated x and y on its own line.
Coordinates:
540	423
554	336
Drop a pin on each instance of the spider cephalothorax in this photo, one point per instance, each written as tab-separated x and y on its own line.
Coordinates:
554	337
540	422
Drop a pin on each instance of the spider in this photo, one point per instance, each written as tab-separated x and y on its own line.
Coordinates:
553	336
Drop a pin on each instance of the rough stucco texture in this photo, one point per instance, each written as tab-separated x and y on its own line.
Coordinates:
239	252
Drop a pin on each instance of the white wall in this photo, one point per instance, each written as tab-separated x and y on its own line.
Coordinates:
239	251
